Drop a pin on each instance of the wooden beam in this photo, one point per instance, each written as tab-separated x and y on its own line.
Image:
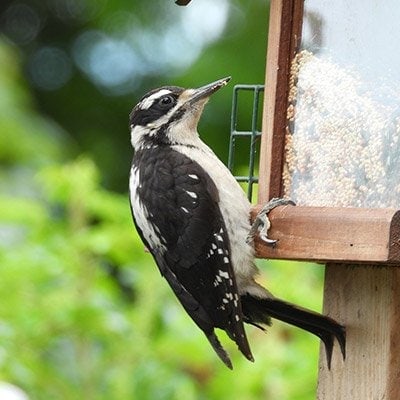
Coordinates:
366	300
285	24
354	235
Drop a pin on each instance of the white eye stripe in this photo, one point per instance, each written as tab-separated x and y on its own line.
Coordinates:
149	101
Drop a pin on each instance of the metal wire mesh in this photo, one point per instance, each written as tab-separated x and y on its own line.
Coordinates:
252	134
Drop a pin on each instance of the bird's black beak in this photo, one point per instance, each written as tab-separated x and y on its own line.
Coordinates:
207	90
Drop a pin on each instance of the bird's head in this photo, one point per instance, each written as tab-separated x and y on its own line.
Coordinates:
169	115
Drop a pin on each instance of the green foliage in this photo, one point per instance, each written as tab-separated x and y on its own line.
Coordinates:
19	120
84	313
67	330
96	117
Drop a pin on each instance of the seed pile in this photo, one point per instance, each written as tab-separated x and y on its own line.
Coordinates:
343	138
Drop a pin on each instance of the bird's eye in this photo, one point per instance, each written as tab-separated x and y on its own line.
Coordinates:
166	101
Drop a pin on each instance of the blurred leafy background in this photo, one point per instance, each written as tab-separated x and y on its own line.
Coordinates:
83	310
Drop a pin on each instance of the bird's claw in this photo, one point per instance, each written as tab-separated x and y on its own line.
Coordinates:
264	237
262	223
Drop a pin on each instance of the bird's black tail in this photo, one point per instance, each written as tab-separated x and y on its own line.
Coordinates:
259	312
222	354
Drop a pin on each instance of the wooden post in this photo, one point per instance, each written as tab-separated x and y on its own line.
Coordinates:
360	246
366	299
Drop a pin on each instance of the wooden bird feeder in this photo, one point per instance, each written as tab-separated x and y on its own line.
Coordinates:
331	142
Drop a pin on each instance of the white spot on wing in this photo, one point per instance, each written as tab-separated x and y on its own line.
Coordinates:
193	195
193	176
223	274
184	209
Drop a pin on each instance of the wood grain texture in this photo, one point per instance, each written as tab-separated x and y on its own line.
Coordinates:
284	35
366	300
324	234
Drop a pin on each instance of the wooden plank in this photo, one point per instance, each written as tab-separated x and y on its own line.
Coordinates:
276	76
366	300
333	234
284	35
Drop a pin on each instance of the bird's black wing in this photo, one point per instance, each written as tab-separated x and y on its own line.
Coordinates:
182	206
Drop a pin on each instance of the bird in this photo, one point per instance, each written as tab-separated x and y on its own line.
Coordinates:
193	217
182	2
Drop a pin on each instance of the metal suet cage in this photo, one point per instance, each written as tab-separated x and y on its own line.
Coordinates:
253	135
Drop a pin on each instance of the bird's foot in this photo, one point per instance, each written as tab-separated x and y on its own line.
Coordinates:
262	223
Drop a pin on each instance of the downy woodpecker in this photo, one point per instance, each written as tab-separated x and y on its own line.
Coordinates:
194	218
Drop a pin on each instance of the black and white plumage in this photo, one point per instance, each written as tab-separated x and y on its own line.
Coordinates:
194	218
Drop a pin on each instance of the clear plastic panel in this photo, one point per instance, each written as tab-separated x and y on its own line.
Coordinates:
343	139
